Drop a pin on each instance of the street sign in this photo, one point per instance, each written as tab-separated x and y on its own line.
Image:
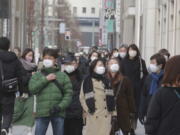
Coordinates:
110	14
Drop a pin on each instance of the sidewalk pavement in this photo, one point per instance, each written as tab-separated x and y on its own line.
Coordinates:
21	130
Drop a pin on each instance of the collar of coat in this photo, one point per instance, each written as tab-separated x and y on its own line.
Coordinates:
50	70
89	93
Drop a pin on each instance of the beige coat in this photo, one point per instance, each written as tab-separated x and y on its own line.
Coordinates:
100	122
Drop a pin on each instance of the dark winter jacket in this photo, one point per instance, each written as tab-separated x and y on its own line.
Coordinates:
131	69
125	104
146	97
83	66
75	109
12	68
163	116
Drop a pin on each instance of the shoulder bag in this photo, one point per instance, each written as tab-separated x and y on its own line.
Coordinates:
9	85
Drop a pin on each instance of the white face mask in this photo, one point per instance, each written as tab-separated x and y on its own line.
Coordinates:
122	54
114	68
115	54
69	68
93	58
153	68
100	70
48	63
132	53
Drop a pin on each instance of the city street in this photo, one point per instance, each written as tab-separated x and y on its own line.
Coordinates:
109	61
20	130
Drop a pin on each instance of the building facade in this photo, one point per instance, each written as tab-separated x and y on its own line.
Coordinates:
14	22
152	25
87	15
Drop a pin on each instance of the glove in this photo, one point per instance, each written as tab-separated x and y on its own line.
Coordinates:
114	120
54	111
114	125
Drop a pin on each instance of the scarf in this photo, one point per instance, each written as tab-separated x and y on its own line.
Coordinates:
88	90
155	82
28	65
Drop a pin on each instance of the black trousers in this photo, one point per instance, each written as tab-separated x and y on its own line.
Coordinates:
73	126
6	112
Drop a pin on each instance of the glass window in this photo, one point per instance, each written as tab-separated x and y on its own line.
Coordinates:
84	10
93	11
74	10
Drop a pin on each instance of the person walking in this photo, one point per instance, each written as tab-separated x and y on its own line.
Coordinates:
163	113
53	90
23	112
123	51
134	67
152	83
11	73
97	100
73	123
124	97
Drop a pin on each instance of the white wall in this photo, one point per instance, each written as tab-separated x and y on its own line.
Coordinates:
161	27
85	3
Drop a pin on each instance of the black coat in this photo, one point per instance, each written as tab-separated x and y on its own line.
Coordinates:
163	116
26	78
146	98
12	68
83	66
131	69
75	109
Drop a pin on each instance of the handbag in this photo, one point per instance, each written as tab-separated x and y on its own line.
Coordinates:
9	85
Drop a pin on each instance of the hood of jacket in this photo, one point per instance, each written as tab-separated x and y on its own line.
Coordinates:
7	57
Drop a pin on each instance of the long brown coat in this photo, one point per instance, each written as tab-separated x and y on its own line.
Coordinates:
125	104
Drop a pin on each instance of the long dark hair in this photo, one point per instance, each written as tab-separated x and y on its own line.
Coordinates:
93	65
26	51
134	47
92	53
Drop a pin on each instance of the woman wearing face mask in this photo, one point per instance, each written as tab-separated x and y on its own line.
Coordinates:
93	56
163	113
134	67
115	53
123	91
24	116
53	90
73	123
97	100
152	83
123	51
